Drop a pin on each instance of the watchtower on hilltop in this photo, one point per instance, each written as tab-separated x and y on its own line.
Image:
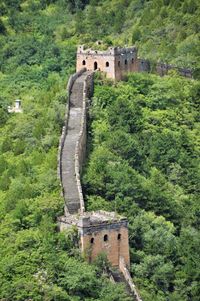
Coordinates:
115	61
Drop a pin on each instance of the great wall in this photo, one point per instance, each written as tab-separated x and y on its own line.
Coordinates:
116	62
99	232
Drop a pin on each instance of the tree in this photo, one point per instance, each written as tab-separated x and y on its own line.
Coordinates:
2	27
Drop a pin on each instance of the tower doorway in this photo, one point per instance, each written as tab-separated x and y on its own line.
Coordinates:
95	66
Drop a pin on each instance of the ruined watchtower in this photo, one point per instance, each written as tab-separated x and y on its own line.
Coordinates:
115	61
101	232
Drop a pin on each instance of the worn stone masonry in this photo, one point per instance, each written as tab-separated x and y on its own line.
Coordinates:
100	232
116	62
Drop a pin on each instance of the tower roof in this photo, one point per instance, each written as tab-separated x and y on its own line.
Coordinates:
93	219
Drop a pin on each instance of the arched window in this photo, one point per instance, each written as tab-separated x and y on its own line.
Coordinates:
107	64
83	62
119	236
105	238
95	66
125	62
92	240
118	63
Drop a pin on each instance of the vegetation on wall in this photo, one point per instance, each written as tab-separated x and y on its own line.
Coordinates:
146	169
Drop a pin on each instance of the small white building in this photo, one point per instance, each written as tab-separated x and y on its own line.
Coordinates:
16	108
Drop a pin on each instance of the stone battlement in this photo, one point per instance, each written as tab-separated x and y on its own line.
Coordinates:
93	219
110	51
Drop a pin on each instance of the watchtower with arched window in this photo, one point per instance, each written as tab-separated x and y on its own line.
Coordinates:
104	232
115	61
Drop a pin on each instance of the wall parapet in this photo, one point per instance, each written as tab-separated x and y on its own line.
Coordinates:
80	150
110	51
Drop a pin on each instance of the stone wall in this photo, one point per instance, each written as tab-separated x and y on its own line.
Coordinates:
71	81
116	245
92	237
129	280
163	69
80	151
116	62
143	65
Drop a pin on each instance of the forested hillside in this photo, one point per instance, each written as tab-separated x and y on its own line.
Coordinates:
36	262
144	163
164	30
142	157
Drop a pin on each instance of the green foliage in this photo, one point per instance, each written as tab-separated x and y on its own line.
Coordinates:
37	262
144	163
163	30
144	152
2	27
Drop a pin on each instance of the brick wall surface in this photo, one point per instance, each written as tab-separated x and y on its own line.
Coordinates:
93	244
117	62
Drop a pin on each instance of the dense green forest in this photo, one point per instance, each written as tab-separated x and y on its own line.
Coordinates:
147	169
144	163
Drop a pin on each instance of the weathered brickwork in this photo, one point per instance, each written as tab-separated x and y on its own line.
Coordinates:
163	69
116	62
93	227
103	232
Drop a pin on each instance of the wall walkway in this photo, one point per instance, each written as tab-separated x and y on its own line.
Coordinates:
73	142
72	148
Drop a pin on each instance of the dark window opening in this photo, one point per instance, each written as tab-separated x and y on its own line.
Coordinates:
95	65
119	236
92	240
125	62
107	64
119	63
105	237
132	61
83	62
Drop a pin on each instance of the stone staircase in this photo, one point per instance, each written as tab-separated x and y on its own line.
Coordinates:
69	183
